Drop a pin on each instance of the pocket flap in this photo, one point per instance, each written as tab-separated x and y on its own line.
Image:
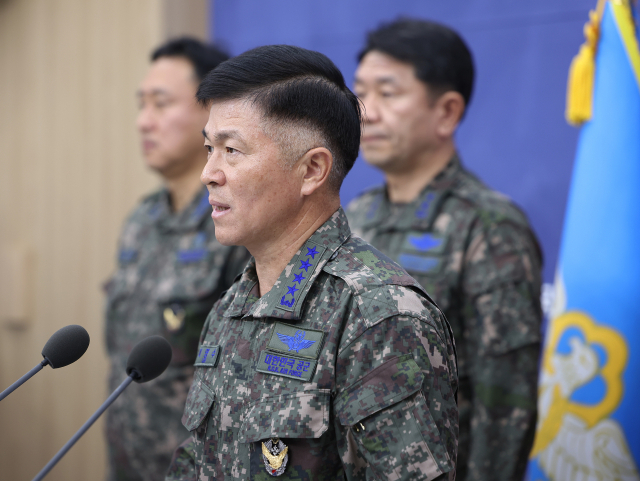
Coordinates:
303	414
387	384
198	405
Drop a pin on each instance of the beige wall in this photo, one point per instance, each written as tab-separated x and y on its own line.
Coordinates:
70	170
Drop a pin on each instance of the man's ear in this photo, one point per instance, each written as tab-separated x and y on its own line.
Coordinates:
316	165
450	106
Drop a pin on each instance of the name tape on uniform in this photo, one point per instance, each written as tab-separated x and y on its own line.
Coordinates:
288	366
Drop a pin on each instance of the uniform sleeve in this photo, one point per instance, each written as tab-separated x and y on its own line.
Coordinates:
502	292
183	467
396	417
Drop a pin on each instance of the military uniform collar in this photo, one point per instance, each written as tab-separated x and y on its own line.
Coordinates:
188	219
285	300
416	214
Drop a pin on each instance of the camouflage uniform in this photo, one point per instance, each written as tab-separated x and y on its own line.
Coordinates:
171	271
345	360
474	252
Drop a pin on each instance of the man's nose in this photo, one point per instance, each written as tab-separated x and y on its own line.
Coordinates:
145	120
371	109
212	174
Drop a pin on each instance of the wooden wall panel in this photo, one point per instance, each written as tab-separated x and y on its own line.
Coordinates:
70	170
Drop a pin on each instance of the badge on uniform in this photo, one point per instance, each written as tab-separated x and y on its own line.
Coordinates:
173	317
275	456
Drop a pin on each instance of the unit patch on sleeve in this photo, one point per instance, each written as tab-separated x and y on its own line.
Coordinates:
288	366
293	340
207	355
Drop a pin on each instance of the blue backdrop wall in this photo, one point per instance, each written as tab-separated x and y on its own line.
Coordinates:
514	136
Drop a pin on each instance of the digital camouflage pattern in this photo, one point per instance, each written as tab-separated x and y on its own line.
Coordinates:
170	272
380	399
473	251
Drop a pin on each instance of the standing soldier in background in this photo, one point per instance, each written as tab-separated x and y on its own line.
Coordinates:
468	246
171	269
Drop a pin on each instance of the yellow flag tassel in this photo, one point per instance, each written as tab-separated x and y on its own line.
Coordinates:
582	72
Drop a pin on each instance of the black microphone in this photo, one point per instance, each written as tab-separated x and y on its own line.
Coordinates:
148	359
64	347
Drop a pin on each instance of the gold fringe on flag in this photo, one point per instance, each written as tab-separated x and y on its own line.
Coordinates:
582	71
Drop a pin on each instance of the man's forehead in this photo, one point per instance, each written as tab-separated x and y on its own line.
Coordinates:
380	68
233	119
168	74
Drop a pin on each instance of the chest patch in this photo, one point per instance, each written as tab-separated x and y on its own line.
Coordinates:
207	355
196	253
287	366
293	340
127	255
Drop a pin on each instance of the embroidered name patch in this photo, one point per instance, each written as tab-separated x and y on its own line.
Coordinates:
207	355
127	255
301	270
287	366
291	339
414	263
197	252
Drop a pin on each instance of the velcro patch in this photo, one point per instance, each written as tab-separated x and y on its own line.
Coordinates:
304	342
207	355
287	366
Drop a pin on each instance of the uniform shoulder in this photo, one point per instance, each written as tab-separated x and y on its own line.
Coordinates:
361	204
146	207
492	207
380	286
363	266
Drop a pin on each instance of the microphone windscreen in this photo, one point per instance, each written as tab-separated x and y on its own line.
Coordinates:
149	358
66	346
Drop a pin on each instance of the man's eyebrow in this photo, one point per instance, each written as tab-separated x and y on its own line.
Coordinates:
223	135
379	80
156	91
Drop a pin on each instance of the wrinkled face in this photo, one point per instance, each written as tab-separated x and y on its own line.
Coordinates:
170	121
255	195
400	119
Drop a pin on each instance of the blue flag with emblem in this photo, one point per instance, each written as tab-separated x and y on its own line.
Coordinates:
588	421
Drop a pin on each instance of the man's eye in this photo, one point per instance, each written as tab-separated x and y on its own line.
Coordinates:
209	149
387	94
231	150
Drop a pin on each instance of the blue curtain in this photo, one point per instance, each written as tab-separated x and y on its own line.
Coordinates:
514	136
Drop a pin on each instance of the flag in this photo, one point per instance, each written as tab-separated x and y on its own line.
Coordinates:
589	394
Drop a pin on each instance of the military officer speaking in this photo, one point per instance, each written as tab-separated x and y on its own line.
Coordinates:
467	245
324	360
170	270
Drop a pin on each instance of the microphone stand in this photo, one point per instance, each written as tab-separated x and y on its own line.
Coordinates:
24	379
85	426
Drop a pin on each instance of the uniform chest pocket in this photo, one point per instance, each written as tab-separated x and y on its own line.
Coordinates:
199	403
292	415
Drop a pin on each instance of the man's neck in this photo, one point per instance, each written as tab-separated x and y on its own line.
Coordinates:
271	260
404	187
184	187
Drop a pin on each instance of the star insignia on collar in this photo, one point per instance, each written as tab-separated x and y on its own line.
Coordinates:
312	252
305	265
298	278
292	289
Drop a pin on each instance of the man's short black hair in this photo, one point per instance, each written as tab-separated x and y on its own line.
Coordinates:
440	57
294	88
204	57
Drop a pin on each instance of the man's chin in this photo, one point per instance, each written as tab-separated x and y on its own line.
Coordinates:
376	159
